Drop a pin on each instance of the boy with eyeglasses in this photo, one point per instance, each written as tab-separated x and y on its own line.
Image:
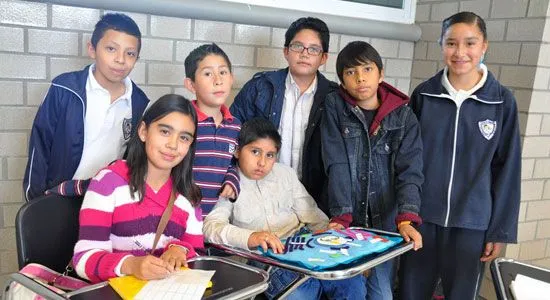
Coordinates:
293	100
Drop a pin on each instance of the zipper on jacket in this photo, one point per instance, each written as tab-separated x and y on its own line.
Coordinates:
450	187
449	191
452	168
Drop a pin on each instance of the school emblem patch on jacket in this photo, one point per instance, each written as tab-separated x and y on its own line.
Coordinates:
488	128
126	128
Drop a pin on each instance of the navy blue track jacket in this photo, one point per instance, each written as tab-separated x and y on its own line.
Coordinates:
472	158
57	136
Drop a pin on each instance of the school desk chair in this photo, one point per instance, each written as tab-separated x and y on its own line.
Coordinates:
504	271
46	230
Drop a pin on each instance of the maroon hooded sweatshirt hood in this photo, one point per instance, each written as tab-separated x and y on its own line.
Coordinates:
390	99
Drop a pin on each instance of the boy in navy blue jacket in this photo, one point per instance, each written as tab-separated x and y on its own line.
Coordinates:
372	154
87	116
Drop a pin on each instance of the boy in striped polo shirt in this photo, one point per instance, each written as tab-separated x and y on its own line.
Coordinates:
208	76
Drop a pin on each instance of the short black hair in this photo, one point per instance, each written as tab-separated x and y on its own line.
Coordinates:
198	54
355	54
463	17
259	128
314	24
118	22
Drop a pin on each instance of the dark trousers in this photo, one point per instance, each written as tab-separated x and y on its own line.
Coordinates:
450	253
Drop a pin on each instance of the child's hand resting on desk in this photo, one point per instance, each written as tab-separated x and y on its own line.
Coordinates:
337	226
408	232
146	267
175	256
265	240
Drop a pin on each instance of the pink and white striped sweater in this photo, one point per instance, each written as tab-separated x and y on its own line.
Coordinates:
114	226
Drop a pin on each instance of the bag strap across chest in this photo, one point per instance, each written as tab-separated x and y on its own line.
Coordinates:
164	219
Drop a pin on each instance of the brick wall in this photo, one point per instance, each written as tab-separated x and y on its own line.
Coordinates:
517	33
39	41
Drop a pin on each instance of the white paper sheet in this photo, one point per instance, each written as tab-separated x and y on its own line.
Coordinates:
186	284
527	288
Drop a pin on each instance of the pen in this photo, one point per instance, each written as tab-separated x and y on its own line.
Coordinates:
141	247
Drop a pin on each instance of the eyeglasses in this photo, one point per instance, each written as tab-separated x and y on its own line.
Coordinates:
310	50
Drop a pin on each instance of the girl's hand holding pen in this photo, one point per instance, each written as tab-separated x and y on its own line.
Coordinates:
146	267
149	267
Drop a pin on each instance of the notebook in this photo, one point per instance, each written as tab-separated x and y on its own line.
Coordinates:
186	283
527	288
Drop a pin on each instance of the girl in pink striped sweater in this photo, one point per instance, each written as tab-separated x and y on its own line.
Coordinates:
125	201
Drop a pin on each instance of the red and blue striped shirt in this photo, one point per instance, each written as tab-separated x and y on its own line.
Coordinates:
213	166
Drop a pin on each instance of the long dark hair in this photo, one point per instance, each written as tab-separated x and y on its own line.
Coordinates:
182	174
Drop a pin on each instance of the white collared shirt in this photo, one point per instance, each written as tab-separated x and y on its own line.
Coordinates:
107	127
461	95
294	120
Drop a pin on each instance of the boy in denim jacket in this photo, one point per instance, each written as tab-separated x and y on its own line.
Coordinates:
372	154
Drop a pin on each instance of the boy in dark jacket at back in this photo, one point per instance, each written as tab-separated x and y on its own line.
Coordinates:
372	153
87	116
293	100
